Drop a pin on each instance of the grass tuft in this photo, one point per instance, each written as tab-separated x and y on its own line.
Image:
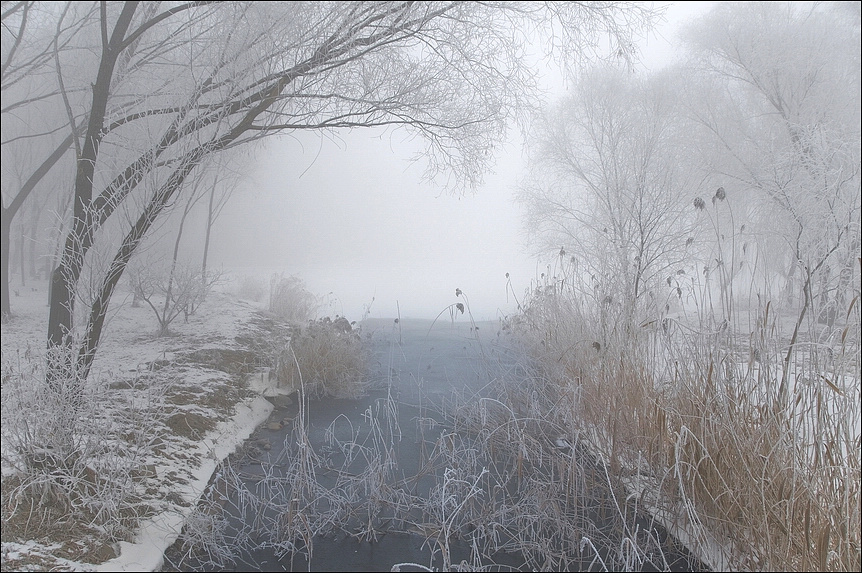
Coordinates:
328	357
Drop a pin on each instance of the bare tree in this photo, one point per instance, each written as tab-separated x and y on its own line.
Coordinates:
222	180
180	301
169	289
154	91
184	290
783	135
607	186
35	136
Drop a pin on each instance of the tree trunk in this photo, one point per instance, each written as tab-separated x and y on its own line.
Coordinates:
59	353
165	321
64	279
207	238
5	231
21	261
57	234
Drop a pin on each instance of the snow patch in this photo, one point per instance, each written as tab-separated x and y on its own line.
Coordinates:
160	532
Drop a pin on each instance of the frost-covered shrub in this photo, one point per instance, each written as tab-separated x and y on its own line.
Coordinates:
170	290
327	356
69	459
290	300
250	288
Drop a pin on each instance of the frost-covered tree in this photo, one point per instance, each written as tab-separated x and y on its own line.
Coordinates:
776	94
36	127
608	182
155	89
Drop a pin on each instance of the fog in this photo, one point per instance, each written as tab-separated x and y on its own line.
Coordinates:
353	217
707	300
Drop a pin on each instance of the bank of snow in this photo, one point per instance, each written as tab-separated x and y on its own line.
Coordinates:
179	471
160	532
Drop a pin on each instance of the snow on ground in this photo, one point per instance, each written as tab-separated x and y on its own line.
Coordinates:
159	532
183	465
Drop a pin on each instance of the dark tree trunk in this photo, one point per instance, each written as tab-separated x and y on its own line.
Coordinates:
65	277
59	359
5	231
207	237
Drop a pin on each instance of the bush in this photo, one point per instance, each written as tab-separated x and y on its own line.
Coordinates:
328	357
170	290
251	288
290	300
70	460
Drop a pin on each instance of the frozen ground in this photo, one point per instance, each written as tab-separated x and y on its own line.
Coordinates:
196	389
203	370
191	365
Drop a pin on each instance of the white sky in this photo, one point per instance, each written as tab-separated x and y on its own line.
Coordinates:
353	218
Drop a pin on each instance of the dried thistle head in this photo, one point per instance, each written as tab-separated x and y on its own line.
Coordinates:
699	204
720	194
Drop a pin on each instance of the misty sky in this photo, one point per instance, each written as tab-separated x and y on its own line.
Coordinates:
353	218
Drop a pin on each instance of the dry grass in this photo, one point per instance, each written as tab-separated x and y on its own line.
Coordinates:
498	473
77	465
190	424
43	519
757	474
326	357
290	300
